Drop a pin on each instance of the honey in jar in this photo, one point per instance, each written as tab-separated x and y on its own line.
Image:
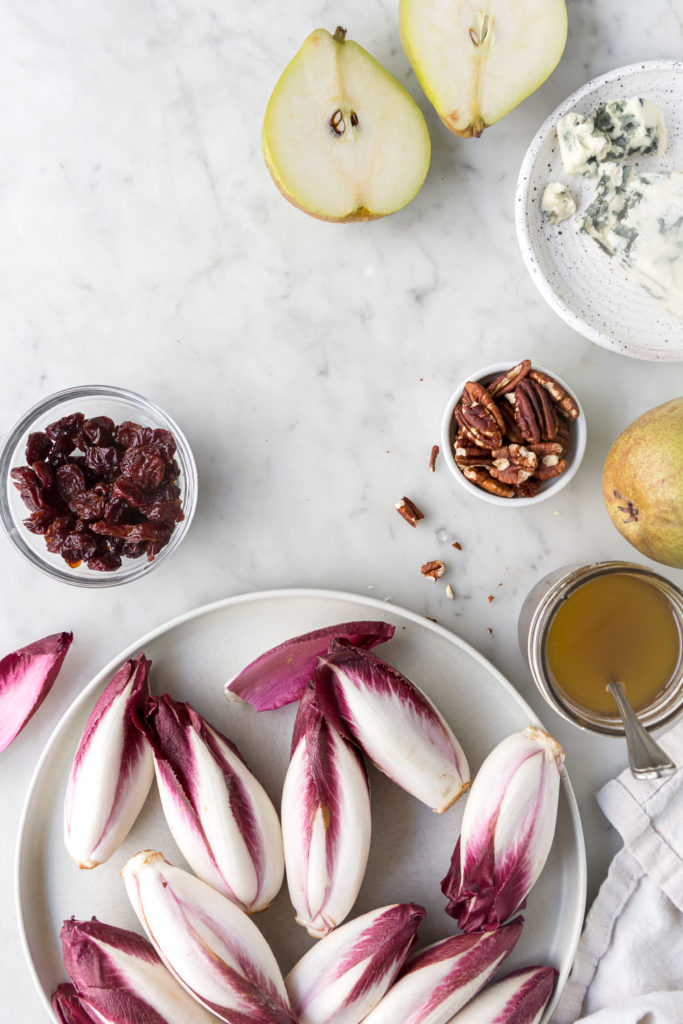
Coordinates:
615	626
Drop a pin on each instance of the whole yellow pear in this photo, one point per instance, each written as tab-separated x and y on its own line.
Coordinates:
642	483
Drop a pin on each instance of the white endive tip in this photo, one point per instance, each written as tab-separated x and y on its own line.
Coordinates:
341	978
112	771
507	830
214	949
218	813
394	723
325	822
439	980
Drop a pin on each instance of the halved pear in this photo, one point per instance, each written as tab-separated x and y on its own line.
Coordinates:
341	138
477	59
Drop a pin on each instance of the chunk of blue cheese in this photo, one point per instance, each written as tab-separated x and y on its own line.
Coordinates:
632	126
638	220
620	129
557	203
582	147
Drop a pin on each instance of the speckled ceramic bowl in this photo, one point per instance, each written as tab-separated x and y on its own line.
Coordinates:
581	283
549	488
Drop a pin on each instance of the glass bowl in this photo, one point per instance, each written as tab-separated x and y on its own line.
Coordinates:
535	619
548	488
92	400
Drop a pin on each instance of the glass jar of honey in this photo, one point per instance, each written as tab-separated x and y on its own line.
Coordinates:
582	627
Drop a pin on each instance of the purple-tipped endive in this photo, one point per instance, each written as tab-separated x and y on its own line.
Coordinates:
520	998
26	678
279	676
212	947
119	979
68	1007
341	978
507	830
112	770
325	821
394	722
439	980
220	816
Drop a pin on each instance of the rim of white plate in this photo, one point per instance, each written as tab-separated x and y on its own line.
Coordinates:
293	593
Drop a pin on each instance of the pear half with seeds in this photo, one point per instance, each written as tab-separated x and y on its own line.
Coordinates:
342	139
477	59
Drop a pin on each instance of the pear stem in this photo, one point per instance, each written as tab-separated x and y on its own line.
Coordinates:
339	34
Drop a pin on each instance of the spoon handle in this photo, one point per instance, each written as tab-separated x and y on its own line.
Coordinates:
646	758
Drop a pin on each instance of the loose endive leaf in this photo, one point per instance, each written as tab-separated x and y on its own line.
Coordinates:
112	770
26	678
120	978
341	978
507	830
219	815
68	1006
520	998
214	950
325	821
439	980
394	722
279	676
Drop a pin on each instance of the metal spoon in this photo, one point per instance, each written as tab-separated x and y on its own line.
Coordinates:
646	758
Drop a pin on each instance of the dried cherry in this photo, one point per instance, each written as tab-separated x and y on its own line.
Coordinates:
99	492
37	447
145	466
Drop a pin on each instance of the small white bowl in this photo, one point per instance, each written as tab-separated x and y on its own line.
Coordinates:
548	487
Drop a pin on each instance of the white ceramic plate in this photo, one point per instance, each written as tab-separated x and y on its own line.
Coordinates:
192	657
583	285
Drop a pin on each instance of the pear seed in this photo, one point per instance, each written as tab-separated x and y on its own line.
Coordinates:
337	122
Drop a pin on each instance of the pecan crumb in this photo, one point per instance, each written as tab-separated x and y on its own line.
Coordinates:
409	510
490	598
433	457
433	570
449	592
490	630
456	545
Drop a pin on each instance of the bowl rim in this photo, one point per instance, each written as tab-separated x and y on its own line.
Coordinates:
555	484
137	568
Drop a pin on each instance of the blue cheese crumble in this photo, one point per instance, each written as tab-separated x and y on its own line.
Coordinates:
638	219
557	203
618	130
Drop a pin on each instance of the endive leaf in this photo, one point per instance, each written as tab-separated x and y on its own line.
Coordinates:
219	814
26	678
325	821
393	722
279	676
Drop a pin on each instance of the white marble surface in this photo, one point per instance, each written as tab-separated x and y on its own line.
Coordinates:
144	244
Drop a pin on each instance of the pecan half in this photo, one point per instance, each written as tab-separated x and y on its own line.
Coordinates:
470	427
511	429
549	466
482	478
565	403
474	394
528	414
409	510
508	381
472	455
528	489
513	464
564	435
546	448
433	570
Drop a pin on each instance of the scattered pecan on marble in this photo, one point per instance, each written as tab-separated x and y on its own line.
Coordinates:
514	431
409	510
433	570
